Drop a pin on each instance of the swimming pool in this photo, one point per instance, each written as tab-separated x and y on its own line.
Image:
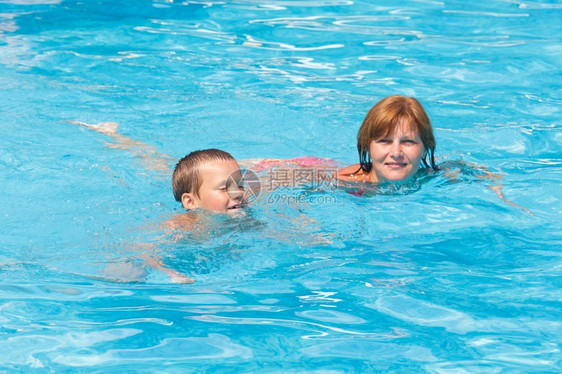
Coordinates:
435	277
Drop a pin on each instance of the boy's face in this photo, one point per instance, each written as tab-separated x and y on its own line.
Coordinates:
221	187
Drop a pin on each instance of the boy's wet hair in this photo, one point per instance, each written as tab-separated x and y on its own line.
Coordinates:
382	120
187	178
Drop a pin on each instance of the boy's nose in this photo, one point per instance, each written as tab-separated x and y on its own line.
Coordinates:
235	193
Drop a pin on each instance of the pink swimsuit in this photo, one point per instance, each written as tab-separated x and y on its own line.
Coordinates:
304	162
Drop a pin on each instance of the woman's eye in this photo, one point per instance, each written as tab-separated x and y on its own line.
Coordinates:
384	141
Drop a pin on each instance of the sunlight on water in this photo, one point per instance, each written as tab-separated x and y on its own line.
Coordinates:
435	275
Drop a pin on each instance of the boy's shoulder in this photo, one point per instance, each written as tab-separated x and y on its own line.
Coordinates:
180	222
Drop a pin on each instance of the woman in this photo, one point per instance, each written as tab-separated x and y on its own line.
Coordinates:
394	141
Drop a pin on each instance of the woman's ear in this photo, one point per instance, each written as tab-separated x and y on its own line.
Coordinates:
188	201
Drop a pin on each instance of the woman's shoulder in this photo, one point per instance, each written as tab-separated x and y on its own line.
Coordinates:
352	173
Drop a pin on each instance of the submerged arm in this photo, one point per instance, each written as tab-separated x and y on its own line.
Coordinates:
497	187
153	260
175	276
486	174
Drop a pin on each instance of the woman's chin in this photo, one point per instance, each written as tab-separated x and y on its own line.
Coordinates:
396	176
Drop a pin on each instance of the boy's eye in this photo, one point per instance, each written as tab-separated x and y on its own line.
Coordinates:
384	141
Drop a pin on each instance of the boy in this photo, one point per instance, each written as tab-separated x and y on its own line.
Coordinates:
210	179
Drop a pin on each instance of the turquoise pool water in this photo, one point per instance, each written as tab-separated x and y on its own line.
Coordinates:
436	276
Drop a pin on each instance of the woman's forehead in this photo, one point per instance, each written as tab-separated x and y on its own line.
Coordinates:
402	126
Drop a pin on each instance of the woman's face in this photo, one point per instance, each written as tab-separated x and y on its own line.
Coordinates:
397	156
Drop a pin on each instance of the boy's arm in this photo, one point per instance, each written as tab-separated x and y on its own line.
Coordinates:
175	276
153	260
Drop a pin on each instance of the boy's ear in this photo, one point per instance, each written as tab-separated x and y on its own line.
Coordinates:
188	201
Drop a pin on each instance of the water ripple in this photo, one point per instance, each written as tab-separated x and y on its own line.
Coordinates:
367	350
424	313
212	347
22	350
320	330
488	14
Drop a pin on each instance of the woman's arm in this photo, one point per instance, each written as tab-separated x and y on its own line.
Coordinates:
486	174
497	188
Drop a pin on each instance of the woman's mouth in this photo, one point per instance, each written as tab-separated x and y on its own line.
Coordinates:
395	165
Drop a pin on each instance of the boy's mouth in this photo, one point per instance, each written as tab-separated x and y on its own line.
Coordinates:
237	206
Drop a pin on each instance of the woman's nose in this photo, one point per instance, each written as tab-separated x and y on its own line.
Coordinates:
396	149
